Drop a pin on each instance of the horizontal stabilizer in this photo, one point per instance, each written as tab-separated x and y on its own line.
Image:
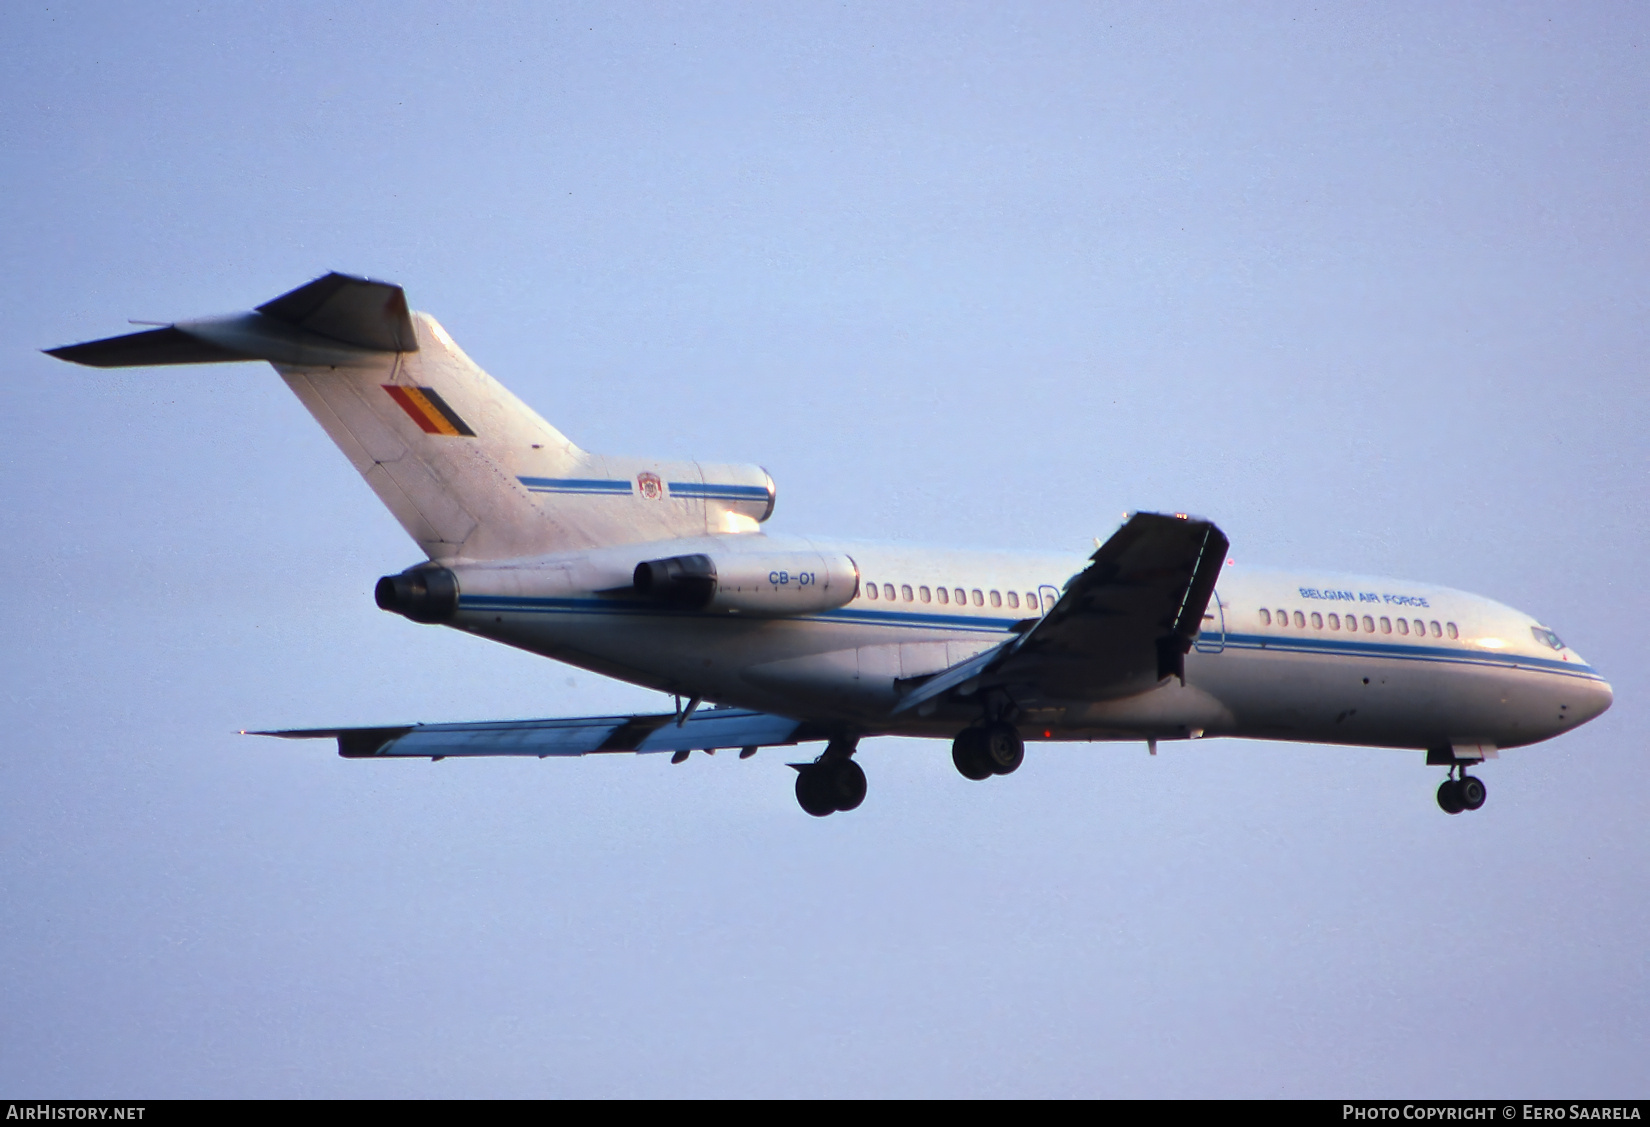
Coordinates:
333	320
170	345
655	732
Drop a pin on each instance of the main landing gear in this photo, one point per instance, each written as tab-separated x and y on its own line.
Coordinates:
983	750
832	782
1464	793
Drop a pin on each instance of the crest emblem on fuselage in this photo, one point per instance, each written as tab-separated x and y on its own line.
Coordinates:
650	485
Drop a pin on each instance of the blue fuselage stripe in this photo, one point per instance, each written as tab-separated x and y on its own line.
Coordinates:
686	490
710	491
519	604
1336	647
600	485
914	620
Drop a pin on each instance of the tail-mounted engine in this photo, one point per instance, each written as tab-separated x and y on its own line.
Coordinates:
423	594
786	580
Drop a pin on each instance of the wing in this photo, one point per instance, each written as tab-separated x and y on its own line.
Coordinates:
1123	625
702	731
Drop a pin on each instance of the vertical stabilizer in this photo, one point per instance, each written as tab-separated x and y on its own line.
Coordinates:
469	470
436	437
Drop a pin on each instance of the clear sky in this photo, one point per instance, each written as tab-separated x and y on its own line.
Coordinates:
1365	284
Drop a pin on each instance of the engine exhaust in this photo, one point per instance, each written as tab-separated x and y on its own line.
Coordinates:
423	594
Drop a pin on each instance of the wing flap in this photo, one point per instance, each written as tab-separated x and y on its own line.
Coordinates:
643	734
721	728
1124	624
948	679
1131	615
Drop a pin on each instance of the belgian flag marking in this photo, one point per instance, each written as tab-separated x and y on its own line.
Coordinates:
429	410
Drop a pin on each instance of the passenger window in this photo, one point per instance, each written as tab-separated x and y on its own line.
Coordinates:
961	596
1450	627
870	590
1013	599
1420	628
888	591
1386	625
924	594
1283	618
979	599
1369	625
1265	617
996	598
1403	626
905	590
945	596
1031	601
1437	631
1317	621
1352	623
1334	622
1300	620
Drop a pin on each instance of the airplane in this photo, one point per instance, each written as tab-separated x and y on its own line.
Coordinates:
659	573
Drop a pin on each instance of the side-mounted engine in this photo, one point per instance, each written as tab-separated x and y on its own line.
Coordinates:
754	576
768	583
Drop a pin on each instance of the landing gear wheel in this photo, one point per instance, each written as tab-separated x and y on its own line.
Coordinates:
812	792
1449	797
968	753
1471	791
1004	749
828	786
847	784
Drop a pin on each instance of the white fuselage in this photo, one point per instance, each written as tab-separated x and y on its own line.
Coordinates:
1306	656
658	573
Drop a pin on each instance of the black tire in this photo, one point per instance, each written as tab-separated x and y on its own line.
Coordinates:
813	792
847	784
968	753
1449	797
1472	792
1002	748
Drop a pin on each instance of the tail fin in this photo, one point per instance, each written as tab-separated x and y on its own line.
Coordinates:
469	470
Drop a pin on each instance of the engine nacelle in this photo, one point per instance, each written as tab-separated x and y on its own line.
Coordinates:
761	583
423	594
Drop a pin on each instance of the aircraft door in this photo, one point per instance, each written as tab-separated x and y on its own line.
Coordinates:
1048	596
1211	639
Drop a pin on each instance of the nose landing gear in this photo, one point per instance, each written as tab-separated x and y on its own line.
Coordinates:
832	782
983	750
1464	793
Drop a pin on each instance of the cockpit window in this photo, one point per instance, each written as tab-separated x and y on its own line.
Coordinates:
1546	637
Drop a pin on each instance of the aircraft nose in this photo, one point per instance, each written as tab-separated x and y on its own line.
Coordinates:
1590	701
